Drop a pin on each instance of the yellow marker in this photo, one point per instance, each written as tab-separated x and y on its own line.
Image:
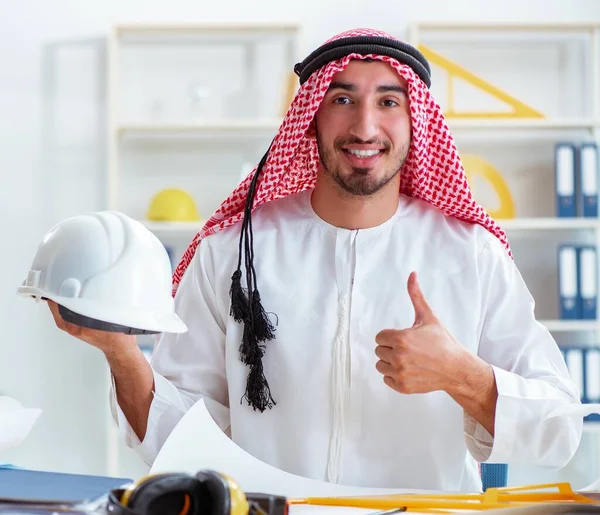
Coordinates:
477	166
520	109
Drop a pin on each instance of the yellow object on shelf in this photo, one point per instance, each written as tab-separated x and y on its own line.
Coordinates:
172	205
291	87
477	166
493	498
520	109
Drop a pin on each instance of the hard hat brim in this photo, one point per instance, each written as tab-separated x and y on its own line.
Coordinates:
125	316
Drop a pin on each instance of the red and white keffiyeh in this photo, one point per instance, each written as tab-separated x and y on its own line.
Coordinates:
432	171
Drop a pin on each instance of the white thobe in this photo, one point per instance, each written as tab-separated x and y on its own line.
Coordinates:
332	290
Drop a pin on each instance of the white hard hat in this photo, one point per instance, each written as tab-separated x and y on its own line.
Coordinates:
105	271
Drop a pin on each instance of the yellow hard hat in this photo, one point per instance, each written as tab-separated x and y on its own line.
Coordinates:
172	205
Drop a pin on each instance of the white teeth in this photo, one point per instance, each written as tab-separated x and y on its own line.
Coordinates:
364	153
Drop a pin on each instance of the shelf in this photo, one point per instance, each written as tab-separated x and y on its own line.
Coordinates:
241	127
571	325
528	26
522	123
210	129
174	228
516	224
548	223
207	34
212	28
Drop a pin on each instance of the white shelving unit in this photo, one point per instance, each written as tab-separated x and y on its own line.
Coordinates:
537	230
211	126
188	106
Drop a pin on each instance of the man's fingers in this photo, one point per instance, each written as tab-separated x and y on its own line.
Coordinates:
389	380
384	368
423	312
55	313
72	329
384	353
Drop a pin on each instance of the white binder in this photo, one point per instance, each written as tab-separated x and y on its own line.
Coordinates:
592	369
575	364
569	300
588	171
588	281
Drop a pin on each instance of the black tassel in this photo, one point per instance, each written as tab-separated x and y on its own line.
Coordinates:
258	393
240	308
247	309
262	326
250	351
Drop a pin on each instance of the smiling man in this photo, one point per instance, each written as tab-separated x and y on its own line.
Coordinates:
354	315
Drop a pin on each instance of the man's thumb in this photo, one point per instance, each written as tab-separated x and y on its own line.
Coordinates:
423	313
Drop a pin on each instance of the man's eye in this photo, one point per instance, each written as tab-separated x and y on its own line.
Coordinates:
390	103
342	100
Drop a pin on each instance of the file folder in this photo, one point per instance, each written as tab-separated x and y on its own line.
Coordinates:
588	281
568	283
32	486
576	365
592	376
587	165
564	169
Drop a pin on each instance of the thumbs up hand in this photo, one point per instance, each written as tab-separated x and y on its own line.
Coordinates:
422	358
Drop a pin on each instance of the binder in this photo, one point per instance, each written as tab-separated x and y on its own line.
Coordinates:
576	365
592	379
588	281
569	300
33	486
564	170
587	165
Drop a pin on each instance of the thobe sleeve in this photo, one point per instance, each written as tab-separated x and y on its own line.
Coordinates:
187	367
531	376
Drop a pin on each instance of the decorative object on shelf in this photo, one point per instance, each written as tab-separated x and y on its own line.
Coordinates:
477	166
172	205
519	109
199	98
291	87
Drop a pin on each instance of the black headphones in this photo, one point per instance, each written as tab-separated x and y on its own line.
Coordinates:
206	493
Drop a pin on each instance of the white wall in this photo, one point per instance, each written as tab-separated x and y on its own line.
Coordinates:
41	366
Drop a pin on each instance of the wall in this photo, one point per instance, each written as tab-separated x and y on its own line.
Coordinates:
40	366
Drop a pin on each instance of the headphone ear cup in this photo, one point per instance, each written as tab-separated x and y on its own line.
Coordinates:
227	497
215	492
167	494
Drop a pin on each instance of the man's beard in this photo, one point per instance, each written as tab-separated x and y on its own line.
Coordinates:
359	182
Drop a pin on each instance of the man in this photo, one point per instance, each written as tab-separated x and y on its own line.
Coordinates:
378	333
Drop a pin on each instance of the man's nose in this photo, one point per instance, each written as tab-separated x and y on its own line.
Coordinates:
364	124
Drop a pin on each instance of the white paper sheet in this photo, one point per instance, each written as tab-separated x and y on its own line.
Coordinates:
15	422
198	443
574	410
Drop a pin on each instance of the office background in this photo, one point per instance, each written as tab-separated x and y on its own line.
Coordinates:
57	144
